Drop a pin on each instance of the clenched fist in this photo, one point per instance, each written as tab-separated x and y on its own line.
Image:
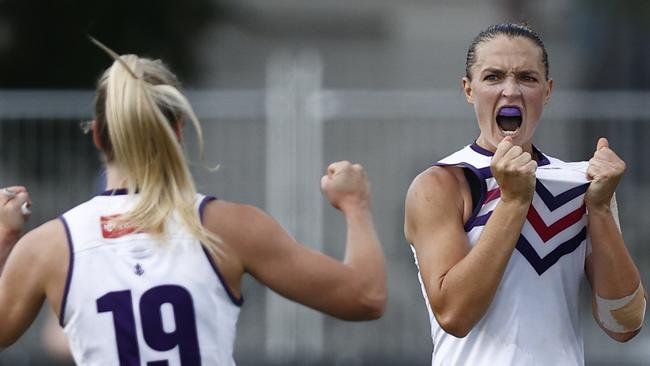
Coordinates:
605	170
346	186
12	216
514	170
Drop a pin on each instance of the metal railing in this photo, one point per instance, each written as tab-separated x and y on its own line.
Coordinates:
272	145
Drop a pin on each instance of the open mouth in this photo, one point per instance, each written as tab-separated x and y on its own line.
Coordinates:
509	120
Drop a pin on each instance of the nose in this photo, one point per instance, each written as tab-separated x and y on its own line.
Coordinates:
511	88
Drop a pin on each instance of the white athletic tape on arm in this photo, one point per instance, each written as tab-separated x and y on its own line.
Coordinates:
614	208
622	315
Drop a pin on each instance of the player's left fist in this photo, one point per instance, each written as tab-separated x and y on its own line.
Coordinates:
605	170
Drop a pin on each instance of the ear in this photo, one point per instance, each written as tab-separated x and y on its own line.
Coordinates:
549	89
467	89
178	129
96	139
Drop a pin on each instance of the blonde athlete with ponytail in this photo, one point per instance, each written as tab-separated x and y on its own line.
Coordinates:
149	272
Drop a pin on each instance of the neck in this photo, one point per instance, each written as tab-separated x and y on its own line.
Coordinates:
480	141
114	177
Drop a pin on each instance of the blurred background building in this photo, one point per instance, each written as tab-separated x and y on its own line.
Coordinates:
283	87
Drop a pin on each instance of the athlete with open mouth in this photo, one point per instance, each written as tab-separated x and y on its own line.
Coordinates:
503	235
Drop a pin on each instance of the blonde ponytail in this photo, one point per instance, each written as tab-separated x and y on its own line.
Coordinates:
138	107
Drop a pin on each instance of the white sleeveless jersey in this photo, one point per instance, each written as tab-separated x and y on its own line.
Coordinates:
133	300
534	317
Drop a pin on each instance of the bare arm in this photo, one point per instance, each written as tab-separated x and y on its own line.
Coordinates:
347	189
21	269
610	268
12	219
35	269
354	289
461	281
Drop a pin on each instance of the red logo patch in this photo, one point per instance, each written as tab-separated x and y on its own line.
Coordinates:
112	229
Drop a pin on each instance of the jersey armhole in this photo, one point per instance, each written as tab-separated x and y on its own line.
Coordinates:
478	191
474	187
236	300
476	181
68	280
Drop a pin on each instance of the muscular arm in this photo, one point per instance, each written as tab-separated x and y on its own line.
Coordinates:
12	219
610	270
8	239
352	289
461	281
31	271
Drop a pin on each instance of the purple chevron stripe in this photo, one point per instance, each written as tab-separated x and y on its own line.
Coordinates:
482	220
542	264
485	173
478	221
543	160
553	202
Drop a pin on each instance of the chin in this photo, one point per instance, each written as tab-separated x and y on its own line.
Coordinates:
518	138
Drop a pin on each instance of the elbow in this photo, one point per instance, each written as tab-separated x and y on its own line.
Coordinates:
455	323
623	337
455	328
5	342
365	308
371	300
374	308
370	307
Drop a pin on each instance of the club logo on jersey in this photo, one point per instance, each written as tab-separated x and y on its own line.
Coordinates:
112	229
138	270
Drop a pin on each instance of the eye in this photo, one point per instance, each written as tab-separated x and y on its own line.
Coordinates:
491	77
528	78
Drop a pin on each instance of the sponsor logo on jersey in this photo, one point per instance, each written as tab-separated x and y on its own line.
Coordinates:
139	270
112	229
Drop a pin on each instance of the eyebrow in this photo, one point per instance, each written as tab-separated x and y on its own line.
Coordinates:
493	70
527	72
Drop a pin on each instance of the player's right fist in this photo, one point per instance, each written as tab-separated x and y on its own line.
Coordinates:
346	186
514	170
13	203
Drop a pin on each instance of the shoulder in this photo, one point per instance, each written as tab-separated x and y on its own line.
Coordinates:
220	213
239	225
45	239
249	234
42	253
435	196
45	247
436	180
